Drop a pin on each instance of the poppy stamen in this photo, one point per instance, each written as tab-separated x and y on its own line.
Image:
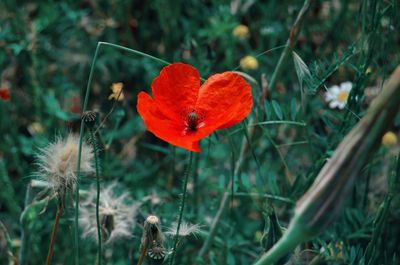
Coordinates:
192	121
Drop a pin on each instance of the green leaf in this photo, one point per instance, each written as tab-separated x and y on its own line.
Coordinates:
277	109
293	109
267	109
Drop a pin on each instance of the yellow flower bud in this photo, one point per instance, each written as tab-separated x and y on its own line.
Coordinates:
117	92
389	138
249	63
241	32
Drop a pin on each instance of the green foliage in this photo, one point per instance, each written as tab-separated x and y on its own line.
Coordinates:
46	48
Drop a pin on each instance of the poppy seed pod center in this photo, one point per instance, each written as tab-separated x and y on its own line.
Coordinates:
192	120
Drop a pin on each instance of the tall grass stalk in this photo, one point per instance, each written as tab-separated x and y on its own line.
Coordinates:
82	130
291	42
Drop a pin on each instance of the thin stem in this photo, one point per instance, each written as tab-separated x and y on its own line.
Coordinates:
268	196
96	162
294	32
82	130
23	257
54	234
143	252
181	207
9	243
278	122
81	133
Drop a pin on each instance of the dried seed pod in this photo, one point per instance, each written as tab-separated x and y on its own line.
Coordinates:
156	251
152	240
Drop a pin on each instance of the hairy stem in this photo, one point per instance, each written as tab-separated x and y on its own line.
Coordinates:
176	239
54	234
96	161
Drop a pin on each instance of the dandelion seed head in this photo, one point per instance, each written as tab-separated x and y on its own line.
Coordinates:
57	162
153	220
185	229
117	215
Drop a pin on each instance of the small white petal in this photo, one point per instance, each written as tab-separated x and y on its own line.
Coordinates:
333	104
334	90
346	86
341	105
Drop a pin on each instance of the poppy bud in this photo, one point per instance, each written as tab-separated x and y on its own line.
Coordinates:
322	203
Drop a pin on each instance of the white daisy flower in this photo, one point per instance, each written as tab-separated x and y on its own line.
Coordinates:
57	162
337	95
116	211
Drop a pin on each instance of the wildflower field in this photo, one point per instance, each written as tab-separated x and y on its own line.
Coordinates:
200	132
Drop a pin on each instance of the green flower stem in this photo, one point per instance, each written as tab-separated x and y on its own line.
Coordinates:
183	200
291	42
82	130
96	161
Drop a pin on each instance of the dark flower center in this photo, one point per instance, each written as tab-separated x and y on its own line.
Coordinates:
192	120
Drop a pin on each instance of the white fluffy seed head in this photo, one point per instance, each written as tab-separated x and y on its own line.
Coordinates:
185	229
117	214
58	161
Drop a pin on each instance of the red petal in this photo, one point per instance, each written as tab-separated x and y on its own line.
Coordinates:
224	99
176	89
171	131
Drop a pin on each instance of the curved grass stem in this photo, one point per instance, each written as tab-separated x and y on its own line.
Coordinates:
82	130
182	206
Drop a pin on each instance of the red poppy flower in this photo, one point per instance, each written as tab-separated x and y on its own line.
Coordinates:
181	112
4	94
